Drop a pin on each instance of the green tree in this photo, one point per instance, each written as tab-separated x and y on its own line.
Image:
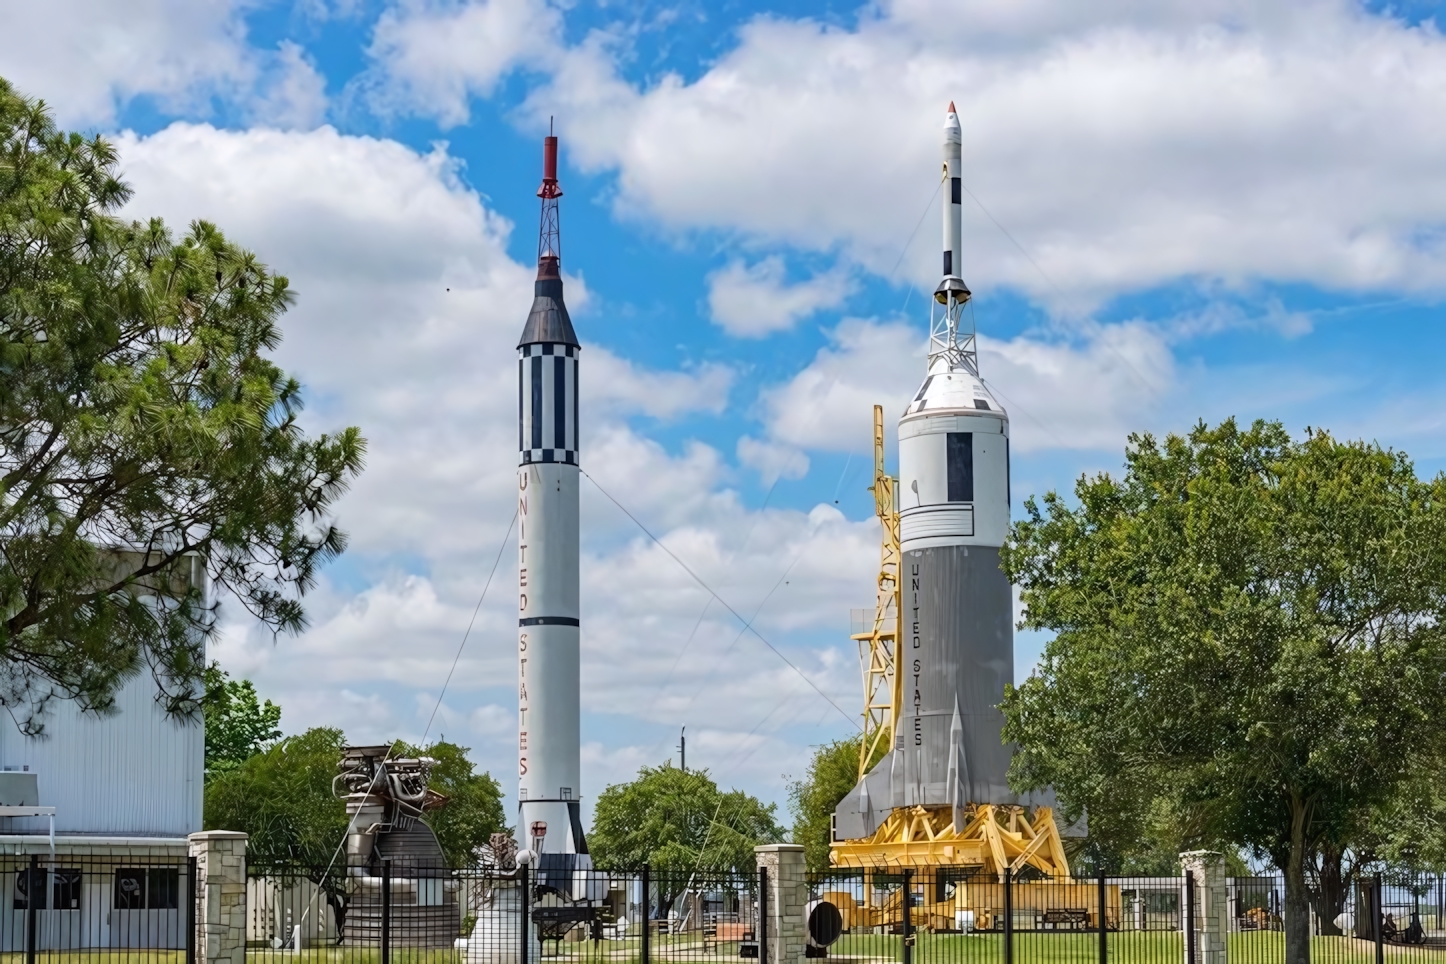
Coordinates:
831	774
282	799
238	724
146	438
678	821
1249	641
473	812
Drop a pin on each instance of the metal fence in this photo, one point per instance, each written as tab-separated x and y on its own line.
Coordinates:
139	911
414	913
134	910
959	915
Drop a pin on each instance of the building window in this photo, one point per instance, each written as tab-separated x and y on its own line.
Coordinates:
138	888
130	889
65	889
28	882
163	892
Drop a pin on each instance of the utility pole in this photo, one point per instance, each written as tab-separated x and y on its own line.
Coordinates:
683	750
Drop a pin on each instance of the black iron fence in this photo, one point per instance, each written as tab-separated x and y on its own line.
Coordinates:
960	915
144	910
132	909
404	914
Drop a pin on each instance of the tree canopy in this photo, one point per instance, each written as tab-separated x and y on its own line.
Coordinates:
150	454
474	801
831	774
1248	644
678	820
238	724
282	798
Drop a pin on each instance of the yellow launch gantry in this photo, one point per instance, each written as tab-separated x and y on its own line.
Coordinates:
879	648
993	838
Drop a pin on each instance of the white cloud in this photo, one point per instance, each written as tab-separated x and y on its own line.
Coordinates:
752	301
320	11
292	94
1125	145
1087	392
372	249
617	385
771	460
431	56
98	55
829	404
95	53
379	340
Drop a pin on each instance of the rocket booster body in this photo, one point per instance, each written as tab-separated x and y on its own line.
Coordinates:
953	189
549	617
957	645
958	640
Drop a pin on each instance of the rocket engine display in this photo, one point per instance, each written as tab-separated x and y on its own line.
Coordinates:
548	623
956	649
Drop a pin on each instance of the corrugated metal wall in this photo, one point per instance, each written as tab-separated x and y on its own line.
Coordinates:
137	772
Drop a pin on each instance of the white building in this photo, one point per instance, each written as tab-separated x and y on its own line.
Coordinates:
133	777
94	815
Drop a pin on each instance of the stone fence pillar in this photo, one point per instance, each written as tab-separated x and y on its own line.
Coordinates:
787	899
221	888
1212	910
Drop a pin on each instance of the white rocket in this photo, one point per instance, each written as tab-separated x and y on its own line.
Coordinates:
548	623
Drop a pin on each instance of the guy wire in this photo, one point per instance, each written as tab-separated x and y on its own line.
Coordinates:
1050	281
709	589
392	746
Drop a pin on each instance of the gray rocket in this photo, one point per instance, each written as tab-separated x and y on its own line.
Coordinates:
956	623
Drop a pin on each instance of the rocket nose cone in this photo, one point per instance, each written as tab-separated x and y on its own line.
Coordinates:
951	124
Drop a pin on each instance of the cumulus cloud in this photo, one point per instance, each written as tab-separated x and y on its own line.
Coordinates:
292	93
431	56
752	301
1125	145
772	460
1085	392
185	54
829	404
617	385
179	51
406	323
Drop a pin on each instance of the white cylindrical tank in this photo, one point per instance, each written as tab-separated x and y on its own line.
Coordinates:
548	615
958	646
953	465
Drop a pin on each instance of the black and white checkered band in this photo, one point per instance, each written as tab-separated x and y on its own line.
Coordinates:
565	456
547	403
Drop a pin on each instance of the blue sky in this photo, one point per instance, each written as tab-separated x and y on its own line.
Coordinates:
1185	210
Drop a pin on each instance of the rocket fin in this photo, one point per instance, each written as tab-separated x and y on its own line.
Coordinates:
896	778
866	806
956	758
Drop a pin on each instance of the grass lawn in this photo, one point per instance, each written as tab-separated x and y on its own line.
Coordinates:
1159	947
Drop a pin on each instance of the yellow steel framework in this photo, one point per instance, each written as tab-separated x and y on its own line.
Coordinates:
879	648
973	904
993	838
